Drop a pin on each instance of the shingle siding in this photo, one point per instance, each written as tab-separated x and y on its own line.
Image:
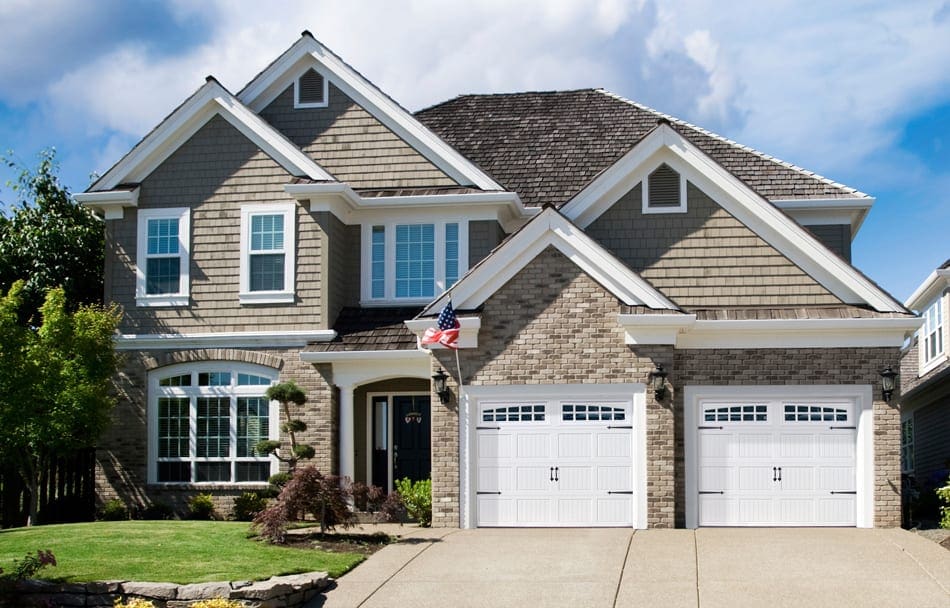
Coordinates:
932	442
351	144
836	237
214	173
703	258
483	236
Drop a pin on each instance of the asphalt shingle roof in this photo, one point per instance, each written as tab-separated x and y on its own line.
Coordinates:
547	146
371	329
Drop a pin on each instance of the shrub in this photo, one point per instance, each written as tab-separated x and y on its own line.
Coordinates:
308	491
133	602
248	505
158	510
417	497
114	510
28	566
944	495
392	510
367	498
201	506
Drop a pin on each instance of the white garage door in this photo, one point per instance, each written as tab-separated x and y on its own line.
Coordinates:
776	463
554	463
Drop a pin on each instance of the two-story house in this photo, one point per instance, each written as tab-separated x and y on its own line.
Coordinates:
925	390
659	327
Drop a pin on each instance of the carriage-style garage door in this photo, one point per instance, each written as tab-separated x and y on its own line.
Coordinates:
554	463
776	462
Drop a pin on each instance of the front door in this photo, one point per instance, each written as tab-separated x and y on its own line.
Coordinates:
411	443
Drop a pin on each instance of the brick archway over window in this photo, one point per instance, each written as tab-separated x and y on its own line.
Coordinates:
214	354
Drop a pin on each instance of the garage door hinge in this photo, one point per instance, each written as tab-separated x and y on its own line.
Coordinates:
487	428
711	492
488	493
620	491
629	426
842	428
707	428
845	492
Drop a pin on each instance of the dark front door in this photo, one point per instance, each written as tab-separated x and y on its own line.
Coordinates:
411	444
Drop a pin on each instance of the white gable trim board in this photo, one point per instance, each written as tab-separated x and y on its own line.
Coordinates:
308	53
664	144
553	455
779	455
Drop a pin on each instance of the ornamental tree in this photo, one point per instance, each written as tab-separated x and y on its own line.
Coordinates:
55	379
287	393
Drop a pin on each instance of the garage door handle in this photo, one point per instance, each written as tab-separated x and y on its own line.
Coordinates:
488	493
842	428
780	473
709	428
844	492
774	474
487	428
620	491
711	492
551	469
629	426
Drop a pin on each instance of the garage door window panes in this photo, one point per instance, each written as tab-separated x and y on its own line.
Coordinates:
736	413
587	412
815	413
514	413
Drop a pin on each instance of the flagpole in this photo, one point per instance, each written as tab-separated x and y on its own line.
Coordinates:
458	366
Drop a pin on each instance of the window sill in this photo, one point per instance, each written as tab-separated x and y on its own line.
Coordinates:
267	297
396	302
164	300
932	364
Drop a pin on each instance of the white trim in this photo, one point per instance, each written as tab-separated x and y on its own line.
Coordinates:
247	339
760	216
925	365
110	203
862	396
549	228
648	209
289	251
468	413
181	297
819	211
654	329
210	100
339	356
311	104
937	282
468	332
308	52
354	368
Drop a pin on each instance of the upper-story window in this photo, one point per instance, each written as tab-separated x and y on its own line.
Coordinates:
162	257
267	254
412	262
664	191
311	90
930	341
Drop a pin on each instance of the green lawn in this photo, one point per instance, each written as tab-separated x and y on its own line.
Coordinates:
164	551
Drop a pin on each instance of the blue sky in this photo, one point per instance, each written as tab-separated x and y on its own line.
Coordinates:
858	91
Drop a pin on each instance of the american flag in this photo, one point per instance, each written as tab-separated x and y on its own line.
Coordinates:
447	333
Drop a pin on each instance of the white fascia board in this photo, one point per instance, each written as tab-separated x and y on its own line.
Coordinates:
354	368
929	290
798	333
763	218
814	211
360	355
184	122
110	203
550	229
468	331
306	51
654	329
248	339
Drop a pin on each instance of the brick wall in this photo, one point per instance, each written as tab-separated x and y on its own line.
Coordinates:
704	258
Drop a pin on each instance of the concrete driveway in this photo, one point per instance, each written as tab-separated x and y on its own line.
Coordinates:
670	568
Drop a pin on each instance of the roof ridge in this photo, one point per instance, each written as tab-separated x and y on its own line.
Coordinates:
508	94
734	143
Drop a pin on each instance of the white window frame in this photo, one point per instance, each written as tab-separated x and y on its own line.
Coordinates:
366	267
193	393
935	317
647	209
286	295
326	91
142	298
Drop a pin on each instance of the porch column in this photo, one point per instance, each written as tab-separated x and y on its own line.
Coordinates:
347	440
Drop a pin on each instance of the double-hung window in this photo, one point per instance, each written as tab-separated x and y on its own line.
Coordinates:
162	257
412	262
930	341
267	254
205	423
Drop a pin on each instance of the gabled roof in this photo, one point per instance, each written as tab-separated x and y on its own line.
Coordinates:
210	100
547	146
666	144
309	53
932	286
549	229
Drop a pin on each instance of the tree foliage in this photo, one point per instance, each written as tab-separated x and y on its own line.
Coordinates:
54	381
325	497
287	393
49	240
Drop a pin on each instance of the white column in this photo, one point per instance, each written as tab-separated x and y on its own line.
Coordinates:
347	451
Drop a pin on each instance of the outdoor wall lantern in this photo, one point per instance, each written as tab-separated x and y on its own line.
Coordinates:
438	380
887	383
658	381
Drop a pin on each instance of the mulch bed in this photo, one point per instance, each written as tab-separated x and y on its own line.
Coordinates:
340	542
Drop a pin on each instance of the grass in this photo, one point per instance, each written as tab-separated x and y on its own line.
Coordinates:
164	551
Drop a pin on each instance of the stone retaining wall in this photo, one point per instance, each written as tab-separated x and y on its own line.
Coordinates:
276	592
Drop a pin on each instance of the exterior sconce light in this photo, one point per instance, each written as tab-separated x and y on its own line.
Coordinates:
658	382
888	377
438	380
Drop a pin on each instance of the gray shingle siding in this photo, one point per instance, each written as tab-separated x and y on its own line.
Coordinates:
483	236
836	237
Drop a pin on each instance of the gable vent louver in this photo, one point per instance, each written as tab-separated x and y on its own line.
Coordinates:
664	187
311	89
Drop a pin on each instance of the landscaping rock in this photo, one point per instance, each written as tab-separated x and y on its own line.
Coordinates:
204	591
159	591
